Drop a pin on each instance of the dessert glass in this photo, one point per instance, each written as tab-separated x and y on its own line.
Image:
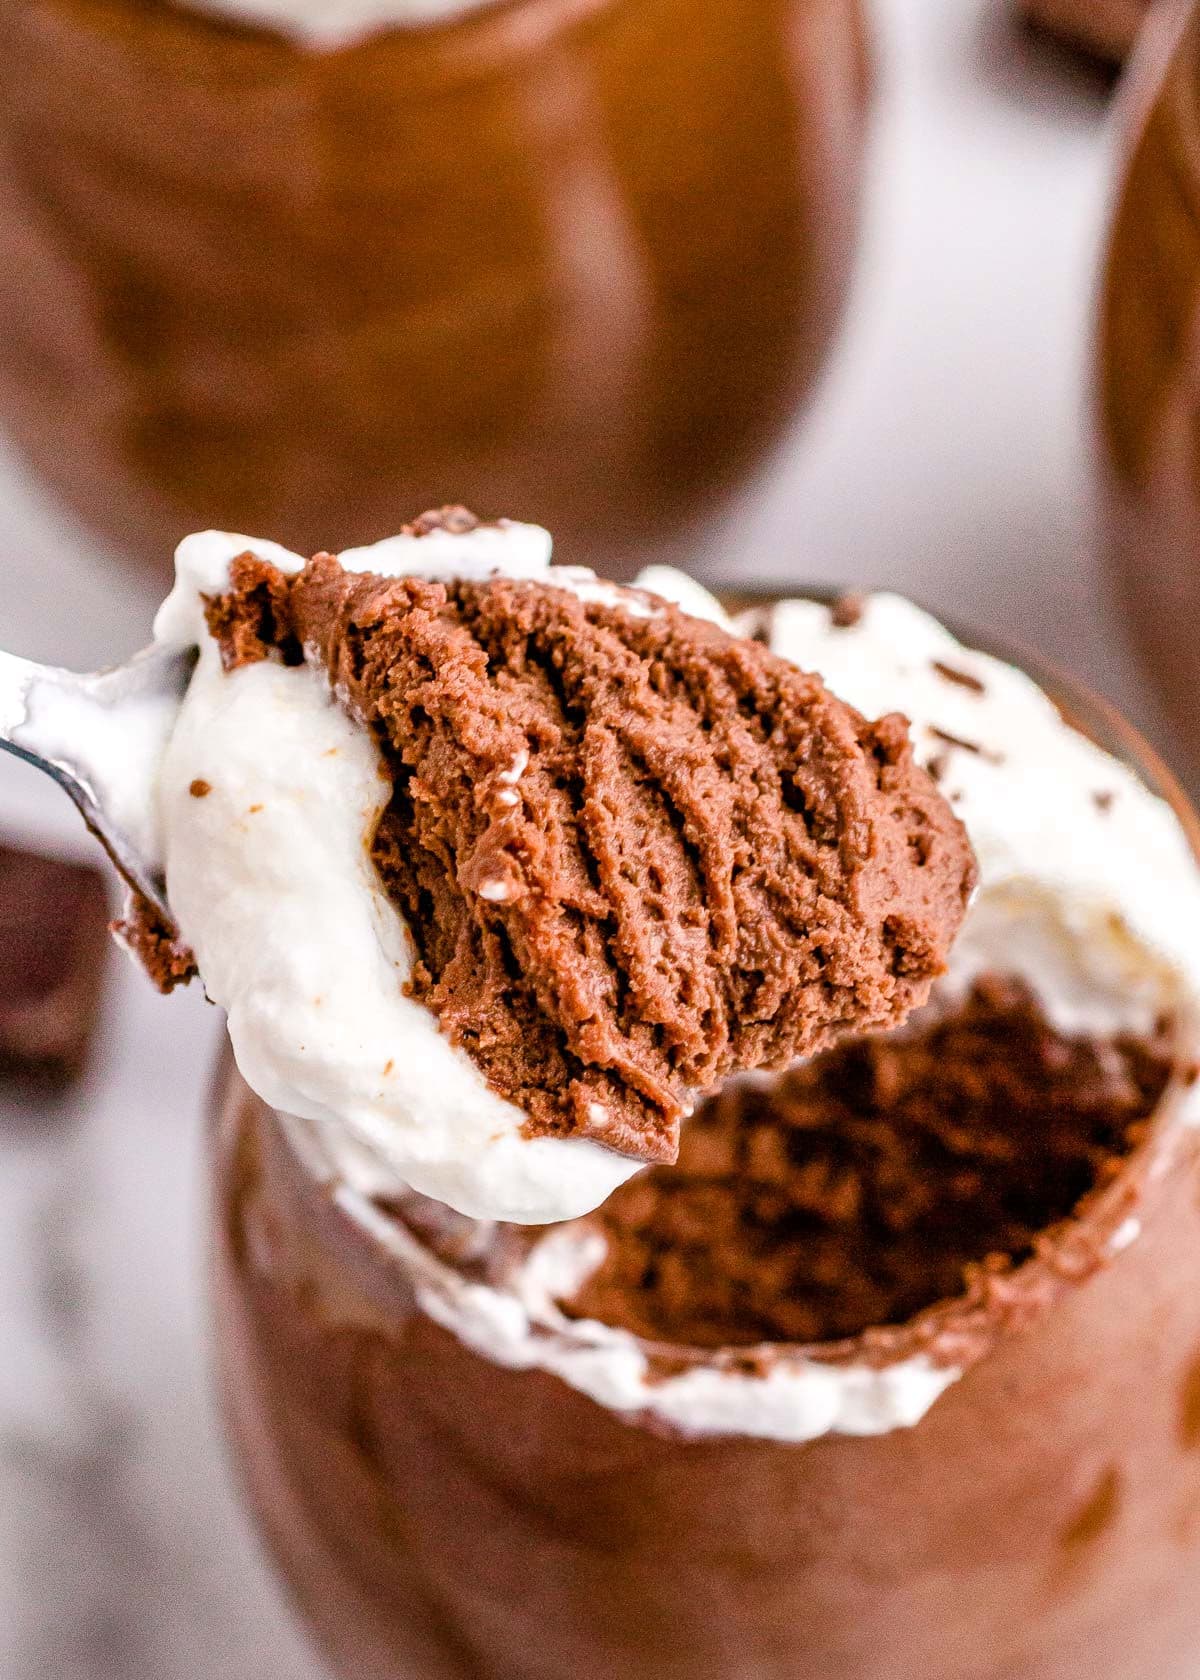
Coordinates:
576	258
1148	364
437	1514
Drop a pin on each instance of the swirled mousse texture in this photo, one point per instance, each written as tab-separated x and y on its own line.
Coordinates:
495	866
885	1176
938	1171
634	853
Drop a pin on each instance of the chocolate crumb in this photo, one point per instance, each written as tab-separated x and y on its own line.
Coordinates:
1103	800
847	610
964	679
200	789
458	521
253	632
156	944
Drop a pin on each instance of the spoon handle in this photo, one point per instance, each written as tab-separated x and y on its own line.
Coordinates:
101	736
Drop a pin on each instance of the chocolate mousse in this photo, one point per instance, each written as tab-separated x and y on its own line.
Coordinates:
634	852
884	1176
1004	1484
894	1373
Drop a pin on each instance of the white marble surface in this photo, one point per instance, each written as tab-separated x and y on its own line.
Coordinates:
946	457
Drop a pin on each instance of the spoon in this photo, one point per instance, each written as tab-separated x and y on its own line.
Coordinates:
101	736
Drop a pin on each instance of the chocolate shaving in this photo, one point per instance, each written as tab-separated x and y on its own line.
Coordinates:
964	679
987	753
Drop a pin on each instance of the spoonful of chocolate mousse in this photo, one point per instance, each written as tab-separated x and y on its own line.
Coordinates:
497	867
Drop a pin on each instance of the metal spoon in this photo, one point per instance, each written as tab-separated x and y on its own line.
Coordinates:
101	735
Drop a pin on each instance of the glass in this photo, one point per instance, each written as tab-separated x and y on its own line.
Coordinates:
440	1516
1148	365
576	261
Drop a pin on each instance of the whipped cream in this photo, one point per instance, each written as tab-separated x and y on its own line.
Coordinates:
270	879
1088	889
326	25
795	1398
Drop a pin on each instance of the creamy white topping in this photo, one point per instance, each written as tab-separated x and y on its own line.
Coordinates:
327	25
794	1399
270	879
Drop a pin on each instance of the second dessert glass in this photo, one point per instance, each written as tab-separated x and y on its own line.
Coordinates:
1148	364
437	1514
582	257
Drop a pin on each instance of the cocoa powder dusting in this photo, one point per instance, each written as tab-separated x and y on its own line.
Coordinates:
884	1176
634	853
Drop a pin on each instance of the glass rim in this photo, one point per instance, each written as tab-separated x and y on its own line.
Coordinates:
470	41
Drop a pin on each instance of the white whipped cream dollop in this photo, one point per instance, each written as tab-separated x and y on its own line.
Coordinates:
793	1398
270	879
